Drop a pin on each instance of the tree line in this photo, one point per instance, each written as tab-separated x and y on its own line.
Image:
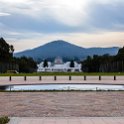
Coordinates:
105	63
8	62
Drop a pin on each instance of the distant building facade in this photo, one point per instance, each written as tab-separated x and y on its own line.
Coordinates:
59	66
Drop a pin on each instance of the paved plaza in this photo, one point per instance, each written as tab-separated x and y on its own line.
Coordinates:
87	120
62	104
63	107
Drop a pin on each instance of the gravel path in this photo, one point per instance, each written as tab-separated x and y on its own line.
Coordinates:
62	104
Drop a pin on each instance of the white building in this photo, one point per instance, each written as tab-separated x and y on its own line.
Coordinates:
59	66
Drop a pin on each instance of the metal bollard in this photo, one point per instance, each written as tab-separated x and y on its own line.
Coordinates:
69	77
55	78
114	78
85	78
10	78
25	78
40	78
99	78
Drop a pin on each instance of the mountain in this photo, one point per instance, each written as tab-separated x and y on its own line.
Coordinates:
65	50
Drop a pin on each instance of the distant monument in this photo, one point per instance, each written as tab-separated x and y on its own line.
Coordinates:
59	66
58	60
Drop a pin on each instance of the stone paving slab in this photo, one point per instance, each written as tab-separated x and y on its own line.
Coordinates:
65	120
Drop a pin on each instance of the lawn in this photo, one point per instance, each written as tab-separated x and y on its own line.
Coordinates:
63	74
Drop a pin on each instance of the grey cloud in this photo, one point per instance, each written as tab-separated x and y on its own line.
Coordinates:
100	17
106	16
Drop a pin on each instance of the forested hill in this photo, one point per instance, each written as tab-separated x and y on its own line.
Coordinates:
65	50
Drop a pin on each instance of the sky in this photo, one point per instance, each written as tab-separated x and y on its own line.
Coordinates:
88	23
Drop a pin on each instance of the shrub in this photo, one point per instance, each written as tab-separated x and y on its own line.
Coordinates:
4	120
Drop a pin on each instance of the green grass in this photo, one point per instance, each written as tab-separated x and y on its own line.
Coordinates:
63	74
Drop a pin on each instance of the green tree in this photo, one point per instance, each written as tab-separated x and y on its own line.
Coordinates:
26	65
7	61
45	63
11	50
120	54
5	54
72	65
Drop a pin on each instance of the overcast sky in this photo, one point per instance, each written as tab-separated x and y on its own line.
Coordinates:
89	23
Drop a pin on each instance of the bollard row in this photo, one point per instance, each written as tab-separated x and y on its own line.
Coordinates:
69	78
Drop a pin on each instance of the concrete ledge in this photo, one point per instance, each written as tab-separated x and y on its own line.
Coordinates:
68	120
